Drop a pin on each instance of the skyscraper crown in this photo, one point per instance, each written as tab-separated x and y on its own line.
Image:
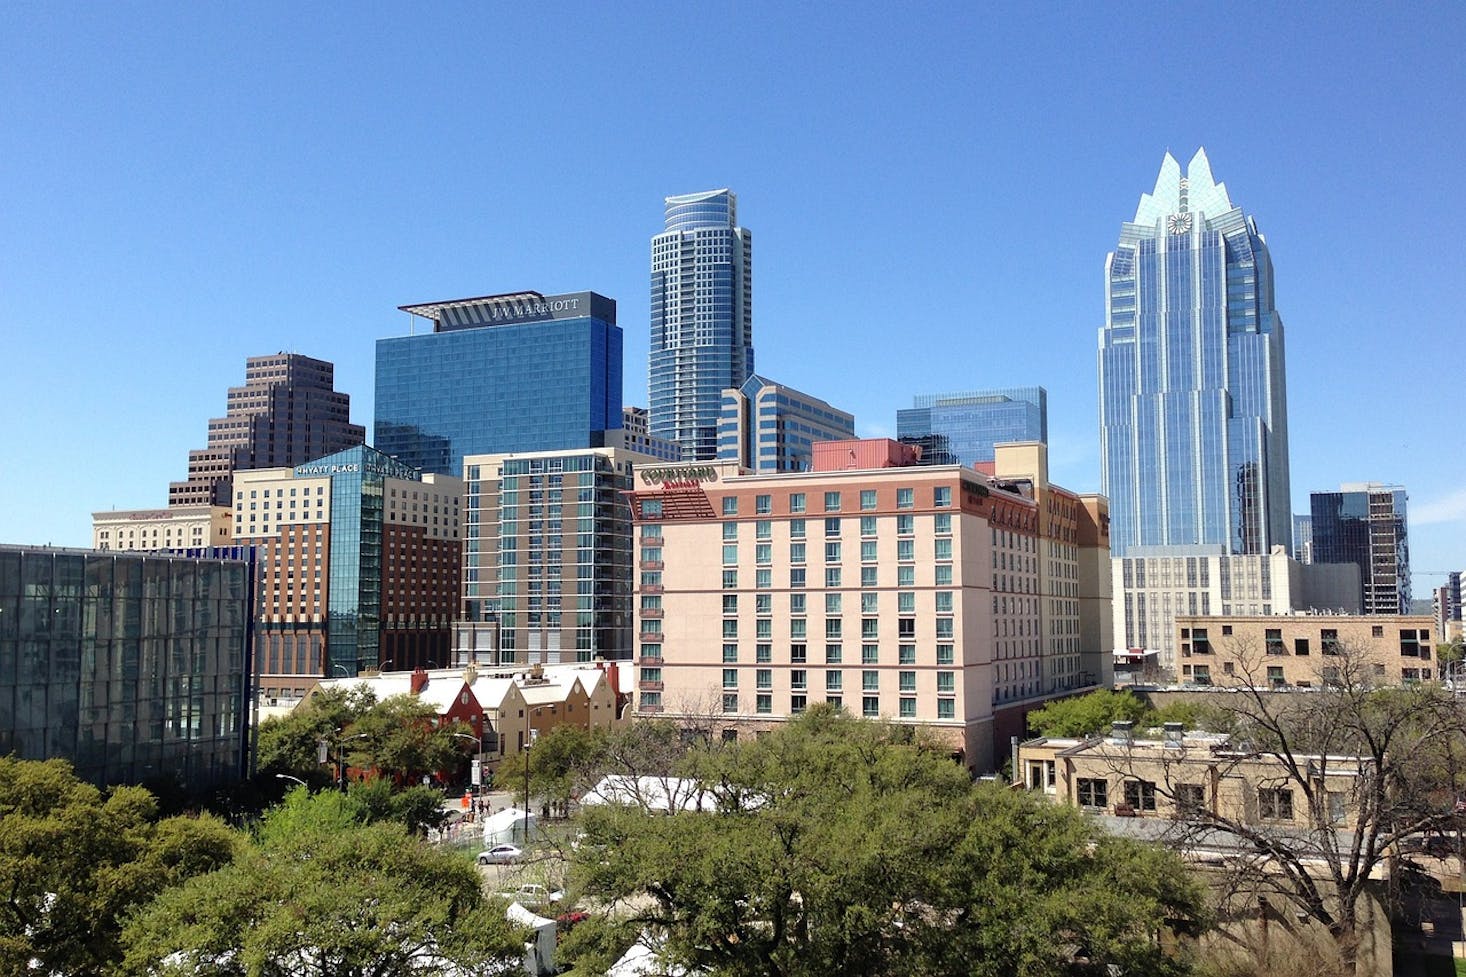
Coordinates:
1177	194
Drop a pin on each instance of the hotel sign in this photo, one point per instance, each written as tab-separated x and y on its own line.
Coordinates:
304	471
679	477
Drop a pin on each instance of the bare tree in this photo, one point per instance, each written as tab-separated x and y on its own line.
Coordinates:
1328	782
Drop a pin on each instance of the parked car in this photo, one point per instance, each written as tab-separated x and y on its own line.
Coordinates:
499	855
533	896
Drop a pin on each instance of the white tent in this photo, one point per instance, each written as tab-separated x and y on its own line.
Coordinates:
508	826
539	952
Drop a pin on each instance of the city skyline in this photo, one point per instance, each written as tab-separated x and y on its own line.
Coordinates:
919	229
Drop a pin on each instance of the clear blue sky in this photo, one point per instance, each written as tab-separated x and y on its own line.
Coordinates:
931	190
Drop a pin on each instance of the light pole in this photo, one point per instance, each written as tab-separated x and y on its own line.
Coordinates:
341	754
478	746
286	776
528	712
342	667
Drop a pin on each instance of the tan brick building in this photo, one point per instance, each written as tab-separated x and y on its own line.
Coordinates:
1129	777
148	530
1305	650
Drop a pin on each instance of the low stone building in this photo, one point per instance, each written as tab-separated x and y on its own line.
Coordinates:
1305	650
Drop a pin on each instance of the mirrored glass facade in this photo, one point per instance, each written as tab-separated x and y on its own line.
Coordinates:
516	372
132	667
1193	410
962	428
701	318
768	427
1364	524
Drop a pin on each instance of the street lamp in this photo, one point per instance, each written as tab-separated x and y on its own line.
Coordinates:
528	711
286	776
341	754
342	667
478	746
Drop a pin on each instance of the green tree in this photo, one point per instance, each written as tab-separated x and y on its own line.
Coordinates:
845	847
321	895
75	861
562	763
290	744
400	738
1086	715
416	808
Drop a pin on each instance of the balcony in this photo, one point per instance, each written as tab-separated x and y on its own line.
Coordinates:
651	588
652	565
651	612
647	685
650	660
650	636
646	707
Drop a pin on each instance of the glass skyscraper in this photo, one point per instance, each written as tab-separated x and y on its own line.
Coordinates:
1193	410
515	372
1364	524
701	318
962	428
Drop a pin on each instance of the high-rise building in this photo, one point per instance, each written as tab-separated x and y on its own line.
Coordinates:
962	428
701	318
1364	524
916	593
131	667
769	427
287	412
514	372
359	561
635	435
1193	411
547	556
1303	538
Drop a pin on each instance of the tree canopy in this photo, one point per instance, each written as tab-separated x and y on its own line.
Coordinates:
845	847
74	861
320	894
1085	715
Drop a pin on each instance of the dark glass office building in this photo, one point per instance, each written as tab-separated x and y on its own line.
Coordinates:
1364	524
131	666
962	428
514	372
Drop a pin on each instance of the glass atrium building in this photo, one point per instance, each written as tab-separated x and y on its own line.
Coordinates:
131	666
701	318
1193	410
515	372
962	428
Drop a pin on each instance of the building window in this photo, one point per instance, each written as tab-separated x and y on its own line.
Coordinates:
870	706
763	529
944	654
906	654
834	681
907	681
730	629
796	552
797	704
763	553
730	701
651	509
763	703
944	602
1275	676
906	576
905	498
905	524
1274	641
832	577
867	551
867	525
796	502
1190	797
946	681
867	498
730	603
833	627
1093	792
870	654
763	653
870	681
796	577
942	496
763	504
730	678
730	579
832	501
834	653
1140	795
651	701
730	530
946	708
1328	641
1199	643
942	523
730	505
796	528
730	554
1409	643
1275	803
944	575
763	678
907	708
906	550
832	526
798	679
868	576
730	653
797	627
798	653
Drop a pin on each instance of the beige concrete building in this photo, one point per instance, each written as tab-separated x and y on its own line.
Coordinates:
1305	650
898	591
1154	586
149	530
1129	777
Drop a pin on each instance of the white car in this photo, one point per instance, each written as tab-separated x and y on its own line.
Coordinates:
534	896
499	855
